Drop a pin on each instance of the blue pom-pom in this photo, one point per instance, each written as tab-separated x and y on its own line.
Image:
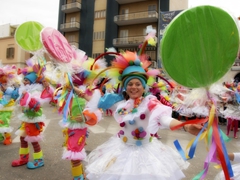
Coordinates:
141	129
132	122
138	143
137	62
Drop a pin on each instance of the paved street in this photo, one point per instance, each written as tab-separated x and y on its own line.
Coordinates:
57	169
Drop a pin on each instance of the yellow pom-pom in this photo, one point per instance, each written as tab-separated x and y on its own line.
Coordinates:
125	139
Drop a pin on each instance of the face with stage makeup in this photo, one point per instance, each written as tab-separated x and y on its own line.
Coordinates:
134	88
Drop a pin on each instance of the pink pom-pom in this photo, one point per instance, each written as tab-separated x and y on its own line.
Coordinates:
142	134
133	133
121	132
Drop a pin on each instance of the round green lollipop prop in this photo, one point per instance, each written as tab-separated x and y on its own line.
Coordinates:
28	36
199	46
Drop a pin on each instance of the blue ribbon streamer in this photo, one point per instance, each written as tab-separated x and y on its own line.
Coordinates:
192	148
66	107
180	150
194	145
228	163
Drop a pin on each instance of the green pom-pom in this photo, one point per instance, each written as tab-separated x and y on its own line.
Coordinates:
150	139
131	63
134	110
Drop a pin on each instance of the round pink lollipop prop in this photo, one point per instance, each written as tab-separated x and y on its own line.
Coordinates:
56	45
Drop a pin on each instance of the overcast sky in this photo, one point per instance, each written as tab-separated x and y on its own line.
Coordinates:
231	6
20	11
46	11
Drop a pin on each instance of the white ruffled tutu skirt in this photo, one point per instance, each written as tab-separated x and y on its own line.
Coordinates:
232	111
236	172
115	160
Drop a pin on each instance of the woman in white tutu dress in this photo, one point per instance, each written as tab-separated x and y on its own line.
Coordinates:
133	153
235	157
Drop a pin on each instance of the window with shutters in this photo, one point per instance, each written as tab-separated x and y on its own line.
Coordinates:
99	35
100	14
10	53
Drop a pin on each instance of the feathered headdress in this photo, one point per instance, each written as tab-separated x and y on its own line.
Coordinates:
134	64
88	71
128	64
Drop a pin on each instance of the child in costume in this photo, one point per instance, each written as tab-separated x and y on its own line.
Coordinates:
133	153
47	93
75	121
108	90
75	133
7	102
51	81
32	122
231	113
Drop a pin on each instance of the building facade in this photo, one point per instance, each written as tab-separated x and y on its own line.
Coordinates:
94	25
10	52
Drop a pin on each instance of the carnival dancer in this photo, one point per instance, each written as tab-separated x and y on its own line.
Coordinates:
52	79
75	121
7	102
47	93
32	122
134	153
75	133
231	112
109	89
233	125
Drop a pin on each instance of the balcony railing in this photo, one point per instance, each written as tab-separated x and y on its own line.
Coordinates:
128	1
136	18
69	27
128	41
71	7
